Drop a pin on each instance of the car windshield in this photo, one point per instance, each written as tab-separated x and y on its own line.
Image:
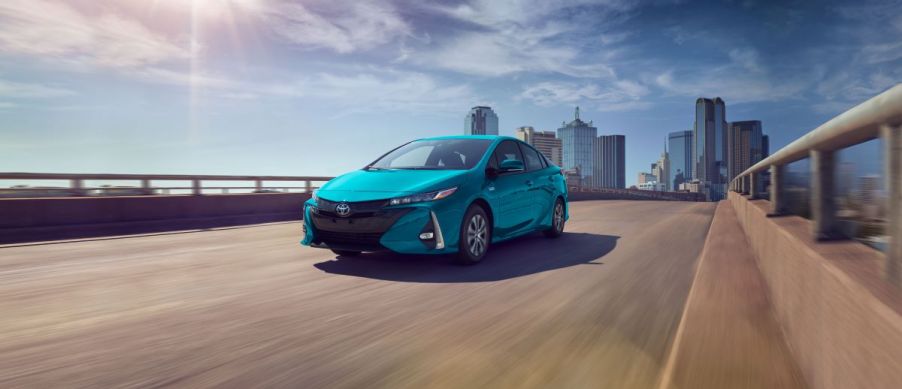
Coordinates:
444	154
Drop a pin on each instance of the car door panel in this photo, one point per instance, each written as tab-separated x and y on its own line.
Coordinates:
509	191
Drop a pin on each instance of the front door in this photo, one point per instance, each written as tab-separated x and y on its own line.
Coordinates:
509	195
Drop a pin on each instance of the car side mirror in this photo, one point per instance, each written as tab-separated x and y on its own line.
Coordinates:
511	165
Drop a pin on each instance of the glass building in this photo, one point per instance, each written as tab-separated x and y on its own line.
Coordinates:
577	147
481	121
610	162
710	147
746	147
680	145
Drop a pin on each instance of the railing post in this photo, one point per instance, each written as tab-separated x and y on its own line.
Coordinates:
823	204
195	187
308	187
892	159
753	186
777	200
78	187
259	184
145	187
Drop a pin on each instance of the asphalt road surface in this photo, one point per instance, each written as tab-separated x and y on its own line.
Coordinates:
248	307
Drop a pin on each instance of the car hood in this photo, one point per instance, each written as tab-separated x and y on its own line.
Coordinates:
367	185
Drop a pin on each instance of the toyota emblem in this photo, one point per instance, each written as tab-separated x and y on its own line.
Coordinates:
343	209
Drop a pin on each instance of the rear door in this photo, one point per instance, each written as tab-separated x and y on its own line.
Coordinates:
539	185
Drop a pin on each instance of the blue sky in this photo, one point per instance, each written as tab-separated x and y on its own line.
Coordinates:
322	87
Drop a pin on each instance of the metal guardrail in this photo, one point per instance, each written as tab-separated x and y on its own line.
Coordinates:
643	194
877	118
77	185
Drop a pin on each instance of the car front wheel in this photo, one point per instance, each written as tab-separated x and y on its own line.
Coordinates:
475	236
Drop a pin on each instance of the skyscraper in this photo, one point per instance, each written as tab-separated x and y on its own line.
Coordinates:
681	166
610	162
709	151
546	142
661	170
481	121
746	147
578	146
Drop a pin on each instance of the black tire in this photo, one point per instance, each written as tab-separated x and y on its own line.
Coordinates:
475	236
346	253
557	220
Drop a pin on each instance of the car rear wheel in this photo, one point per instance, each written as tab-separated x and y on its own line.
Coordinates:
346	253
557	220
475	236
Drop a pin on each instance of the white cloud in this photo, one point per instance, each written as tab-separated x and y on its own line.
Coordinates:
377	91
59	32
747	58
615	96
341	26
7	105
506	53
10	89
845	89
517	36
741	80
881	52
732	85
614	38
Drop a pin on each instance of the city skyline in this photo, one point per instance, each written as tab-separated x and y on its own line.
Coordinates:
247	87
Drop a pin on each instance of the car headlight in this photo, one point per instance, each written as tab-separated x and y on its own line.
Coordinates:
421	197
314	196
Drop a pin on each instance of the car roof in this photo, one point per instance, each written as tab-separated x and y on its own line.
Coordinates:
489	137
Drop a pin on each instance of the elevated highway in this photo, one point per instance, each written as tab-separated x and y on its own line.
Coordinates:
247	306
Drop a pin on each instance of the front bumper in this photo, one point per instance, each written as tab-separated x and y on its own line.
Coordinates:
381	228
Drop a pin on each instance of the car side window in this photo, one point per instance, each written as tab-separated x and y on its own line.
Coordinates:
532	157
508	150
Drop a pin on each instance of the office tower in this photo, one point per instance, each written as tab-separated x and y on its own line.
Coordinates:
746	146
578	147
661	170
481	121
610	161
546	142
681	167
710	147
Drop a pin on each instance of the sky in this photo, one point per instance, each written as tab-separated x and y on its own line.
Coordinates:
310	87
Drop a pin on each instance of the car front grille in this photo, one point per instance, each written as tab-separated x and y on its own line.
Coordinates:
358	208
359	231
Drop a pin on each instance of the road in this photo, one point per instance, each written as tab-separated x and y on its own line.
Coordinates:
248	306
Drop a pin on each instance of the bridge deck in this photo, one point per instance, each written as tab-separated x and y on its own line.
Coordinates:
250	307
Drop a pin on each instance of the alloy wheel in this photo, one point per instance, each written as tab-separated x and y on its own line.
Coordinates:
476	235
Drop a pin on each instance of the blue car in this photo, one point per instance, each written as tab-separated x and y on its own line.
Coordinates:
456	194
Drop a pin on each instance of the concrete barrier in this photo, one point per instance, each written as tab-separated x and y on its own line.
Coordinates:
842	320
37	219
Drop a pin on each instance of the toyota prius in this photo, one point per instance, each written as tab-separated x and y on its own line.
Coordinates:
457	194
